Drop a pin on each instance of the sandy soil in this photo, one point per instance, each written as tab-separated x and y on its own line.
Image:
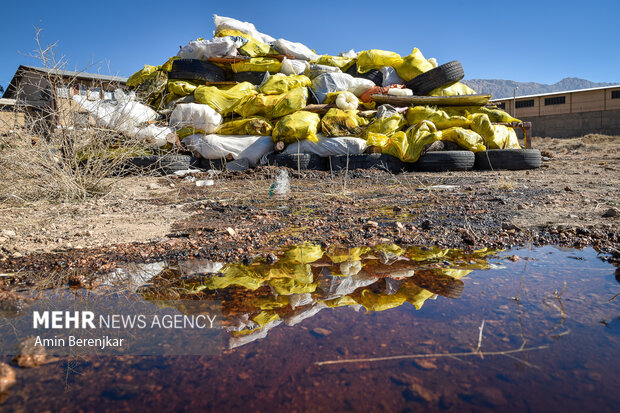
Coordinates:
566	201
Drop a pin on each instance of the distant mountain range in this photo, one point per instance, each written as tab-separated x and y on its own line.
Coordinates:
500	88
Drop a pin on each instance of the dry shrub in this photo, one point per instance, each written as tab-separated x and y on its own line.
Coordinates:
48	159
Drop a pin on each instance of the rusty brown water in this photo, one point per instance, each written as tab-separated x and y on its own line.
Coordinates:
551	298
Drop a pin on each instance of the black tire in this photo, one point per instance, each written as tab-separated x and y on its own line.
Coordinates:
298	161
444	161
441	76
373	74
368	161
216	164
196	69
513	159
255	78
166	164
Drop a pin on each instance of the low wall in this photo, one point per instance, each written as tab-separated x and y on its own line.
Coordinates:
575	124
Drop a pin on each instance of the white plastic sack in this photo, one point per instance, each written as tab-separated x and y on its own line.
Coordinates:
123	115
351	53
196	115
390	77
222	23
217	47
336	82
239	146
400	92
358	85
347	101
328	146
294	67
433	61
156	135
300	51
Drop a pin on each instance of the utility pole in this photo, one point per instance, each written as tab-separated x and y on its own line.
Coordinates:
514	101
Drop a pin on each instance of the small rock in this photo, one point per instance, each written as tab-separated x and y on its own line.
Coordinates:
371	224
424	364
17	255
231	231
8	233
426	225
418	392
399	226
506	226
7	377
514	258
29	354
322	332
271	258
611	213
568	189
153	186
243	375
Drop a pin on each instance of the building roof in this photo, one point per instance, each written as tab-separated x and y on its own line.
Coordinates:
556	93
10	90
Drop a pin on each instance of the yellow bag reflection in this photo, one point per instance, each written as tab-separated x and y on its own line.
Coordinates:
304	254
225	98
340	254
297	127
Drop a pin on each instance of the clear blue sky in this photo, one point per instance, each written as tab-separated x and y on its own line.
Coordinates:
539	41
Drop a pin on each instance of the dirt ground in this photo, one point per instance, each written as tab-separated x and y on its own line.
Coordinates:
572	200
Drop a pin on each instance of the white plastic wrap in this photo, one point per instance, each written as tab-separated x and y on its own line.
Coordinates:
196	115
217	47
351	53
239	146
328	146
294	67
222	23
299	50
433	61
347	101
400	92
390	77
156	135
336	82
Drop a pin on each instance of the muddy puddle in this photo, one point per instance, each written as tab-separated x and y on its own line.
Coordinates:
366	329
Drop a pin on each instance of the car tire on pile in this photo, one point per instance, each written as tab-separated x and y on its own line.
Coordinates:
381	161
298	161
441	76
444	161
255	78
373	74
196	69
166	164
513	159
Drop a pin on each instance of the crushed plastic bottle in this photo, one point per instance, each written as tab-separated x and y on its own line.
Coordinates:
281	186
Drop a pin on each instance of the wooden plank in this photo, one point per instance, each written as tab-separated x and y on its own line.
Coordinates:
320	108
461	100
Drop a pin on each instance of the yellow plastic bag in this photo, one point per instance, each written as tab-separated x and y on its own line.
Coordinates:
456	89
233	33
273	106
141	75
376	59
188	131
255	48
465	138
344	63
413	65
495	136
278	84
439	117
337	122
249	126
406	146
224	98
181	87
297	127
497	115
257	64
386	126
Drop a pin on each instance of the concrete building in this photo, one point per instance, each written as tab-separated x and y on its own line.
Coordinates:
43	96
568	114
